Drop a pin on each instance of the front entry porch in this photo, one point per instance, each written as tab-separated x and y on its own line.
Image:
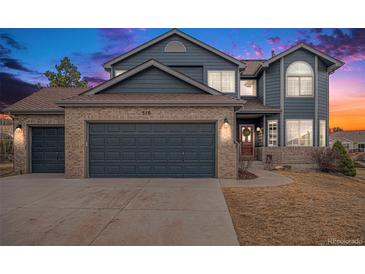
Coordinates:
250	135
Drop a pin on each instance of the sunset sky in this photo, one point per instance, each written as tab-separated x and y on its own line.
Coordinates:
25	54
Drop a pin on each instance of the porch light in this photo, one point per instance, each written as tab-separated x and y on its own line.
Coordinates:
19	126
258	129
226	121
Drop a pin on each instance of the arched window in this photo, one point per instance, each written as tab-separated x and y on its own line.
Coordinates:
175	46
299	80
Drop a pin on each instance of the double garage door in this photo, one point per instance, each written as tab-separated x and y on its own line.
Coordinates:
151	150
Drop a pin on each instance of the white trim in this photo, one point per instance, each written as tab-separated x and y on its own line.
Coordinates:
282	102
268	132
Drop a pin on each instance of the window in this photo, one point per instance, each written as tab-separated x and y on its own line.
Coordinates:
175	46
223	81
273	133
299	81
322	133
299	132
119	72
248	87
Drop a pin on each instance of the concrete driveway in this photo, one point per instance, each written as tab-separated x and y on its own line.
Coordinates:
45	209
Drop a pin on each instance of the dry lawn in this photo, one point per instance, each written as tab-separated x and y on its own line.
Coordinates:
316	209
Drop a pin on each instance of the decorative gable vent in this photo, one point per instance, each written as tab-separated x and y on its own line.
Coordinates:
175	46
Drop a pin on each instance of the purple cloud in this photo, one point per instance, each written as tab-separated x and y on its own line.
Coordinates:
273	40
347	46
257	50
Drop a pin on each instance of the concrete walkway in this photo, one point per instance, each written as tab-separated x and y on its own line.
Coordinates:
45	209
265	179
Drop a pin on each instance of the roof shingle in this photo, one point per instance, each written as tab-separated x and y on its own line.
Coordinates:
43	100
252	66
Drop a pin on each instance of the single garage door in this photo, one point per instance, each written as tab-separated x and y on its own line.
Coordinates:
152	150
48	149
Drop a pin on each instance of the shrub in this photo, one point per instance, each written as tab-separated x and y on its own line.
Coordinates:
328	160
347	164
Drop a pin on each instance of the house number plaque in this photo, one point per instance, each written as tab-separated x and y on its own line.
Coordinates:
146	112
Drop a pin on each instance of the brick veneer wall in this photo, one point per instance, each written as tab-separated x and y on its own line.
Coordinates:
288	155
21	137
76	130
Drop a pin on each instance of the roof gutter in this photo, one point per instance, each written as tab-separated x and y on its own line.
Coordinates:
113	103
34	112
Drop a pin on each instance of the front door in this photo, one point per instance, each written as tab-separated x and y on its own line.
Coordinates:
247	140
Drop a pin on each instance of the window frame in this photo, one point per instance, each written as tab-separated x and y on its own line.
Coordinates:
320	134
299	139
255	88
175	50
299	79
269	122
221	73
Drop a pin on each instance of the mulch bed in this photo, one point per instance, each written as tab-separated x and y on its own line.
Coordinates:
316	209
246	175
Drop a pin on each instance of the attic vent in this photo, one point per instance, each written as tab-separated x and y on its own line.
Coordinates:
175	46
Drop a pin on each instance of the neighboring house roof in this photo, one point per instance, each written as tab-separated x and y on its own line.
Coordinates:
108	64
144	66
43	101
336	63
256	106
356	136
150	99
252	67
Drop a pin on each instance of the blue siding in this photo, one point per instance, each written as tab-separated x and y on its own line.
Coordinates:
303	107
273	85
196	73
194	56
260	87
153	80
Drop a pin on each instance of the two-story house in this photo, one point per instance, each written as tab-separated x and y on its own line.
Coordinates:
177	107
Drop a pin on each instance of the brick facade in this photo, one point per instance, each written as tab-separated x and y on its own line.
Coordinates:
288	155
22	137
76	131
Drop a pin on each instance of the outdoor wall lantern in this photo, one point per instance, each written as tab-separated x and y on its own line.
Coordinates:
226	121
258	129
19	126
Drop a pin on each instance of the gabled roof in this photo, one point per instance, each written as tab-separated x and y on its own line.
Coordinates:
144	66
43	101
256	106
336	63
252	67
108	64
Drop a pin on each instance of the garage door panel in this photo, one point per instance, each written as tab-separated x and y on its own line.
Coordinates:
152	150
47	149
